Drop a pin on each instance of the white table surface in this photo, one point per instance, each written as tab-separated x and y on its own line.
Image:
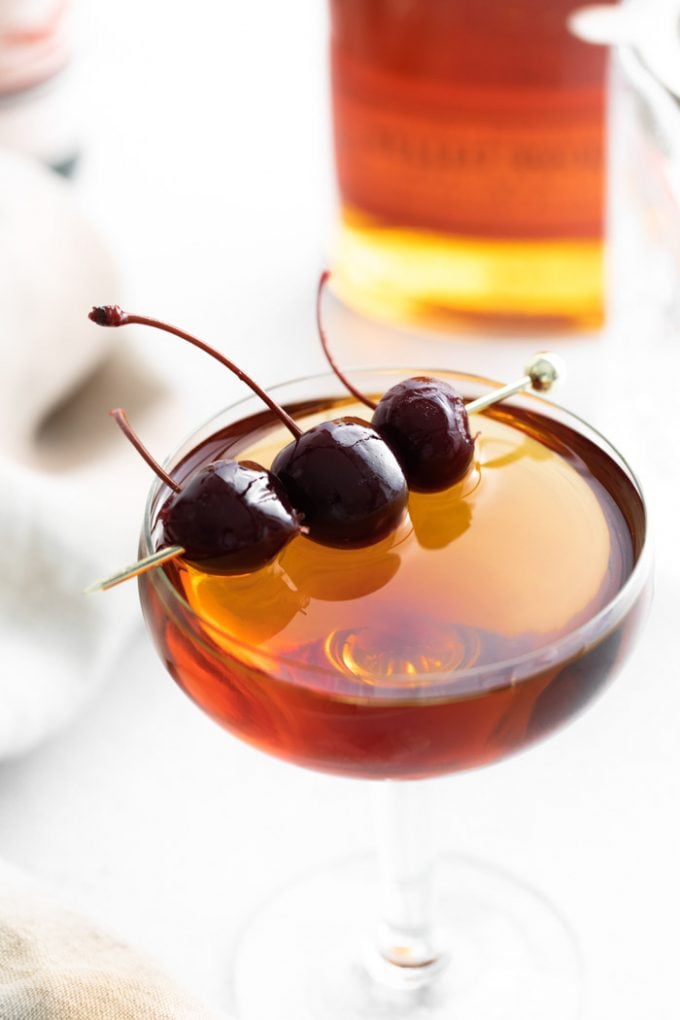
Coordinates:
206	166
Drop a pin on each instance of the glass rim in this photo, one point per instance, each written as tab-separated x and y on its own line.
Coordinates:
484	677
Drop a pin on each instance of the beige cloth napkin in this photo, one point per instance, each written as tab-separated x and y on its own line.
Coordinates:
55	965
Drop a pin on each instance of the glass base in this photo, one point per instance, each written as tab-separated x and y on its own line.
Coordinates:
506	954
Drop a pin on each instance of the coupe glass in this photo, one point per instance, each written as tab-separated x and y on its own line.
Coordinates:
406	933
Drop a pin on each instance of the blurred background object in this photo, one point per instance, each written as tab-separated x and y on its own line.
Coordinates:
55	965
51	263
470	156
645	146
38	98
56	476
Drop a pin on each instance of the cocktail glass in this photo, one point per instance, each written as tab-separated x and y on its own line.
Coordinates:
451	938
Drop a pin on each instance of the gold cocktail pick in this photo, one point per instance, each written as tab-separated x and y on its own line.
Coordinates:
140	567
540	373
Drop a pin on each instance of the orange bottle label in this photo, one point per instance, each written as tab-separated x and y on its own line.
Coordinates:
481	120
486	163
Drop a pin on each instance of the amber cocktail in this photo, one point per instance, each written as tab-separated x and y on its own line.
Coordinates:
494	613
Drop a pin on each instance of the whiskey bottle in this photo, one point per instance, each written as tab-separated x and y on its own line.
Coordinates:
470	158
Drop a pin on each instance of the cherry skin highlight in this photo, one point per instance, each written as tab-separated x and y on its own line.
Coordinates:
425	424
231	518
345	481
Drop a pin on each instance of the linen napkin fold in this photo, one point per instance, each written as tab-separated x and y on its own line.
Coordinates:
55	965
51	263
71	491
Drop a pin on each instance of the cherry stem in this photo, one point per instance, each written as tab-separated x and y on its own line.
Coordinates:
113	315
121	420
325	276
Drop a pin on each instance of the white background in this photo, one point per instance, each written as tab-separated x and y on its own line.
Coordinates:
206	166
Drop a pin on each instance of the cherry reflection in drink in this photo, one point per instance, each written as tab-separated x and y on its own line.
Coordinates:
468	621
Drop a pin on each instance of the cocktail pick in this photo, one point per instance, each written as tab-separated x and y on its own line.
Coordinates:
134	569
540	373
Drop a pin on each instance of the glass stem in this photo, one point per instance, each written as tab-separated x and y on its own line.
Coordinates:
407	955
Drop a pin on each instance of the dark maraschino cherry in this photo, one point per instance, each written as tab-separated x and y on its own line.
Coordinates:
231	517
344	479
422	420
340	475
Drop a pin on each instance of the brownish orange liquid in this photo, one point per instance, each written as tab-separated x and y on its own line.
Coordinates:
369	662
470	159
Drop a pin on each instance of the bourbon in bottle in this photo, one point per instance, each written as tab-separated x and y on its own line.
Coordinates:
470	157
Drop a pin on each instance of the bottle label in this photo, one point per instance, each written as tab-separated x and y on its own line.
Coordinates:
33	43
474	161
